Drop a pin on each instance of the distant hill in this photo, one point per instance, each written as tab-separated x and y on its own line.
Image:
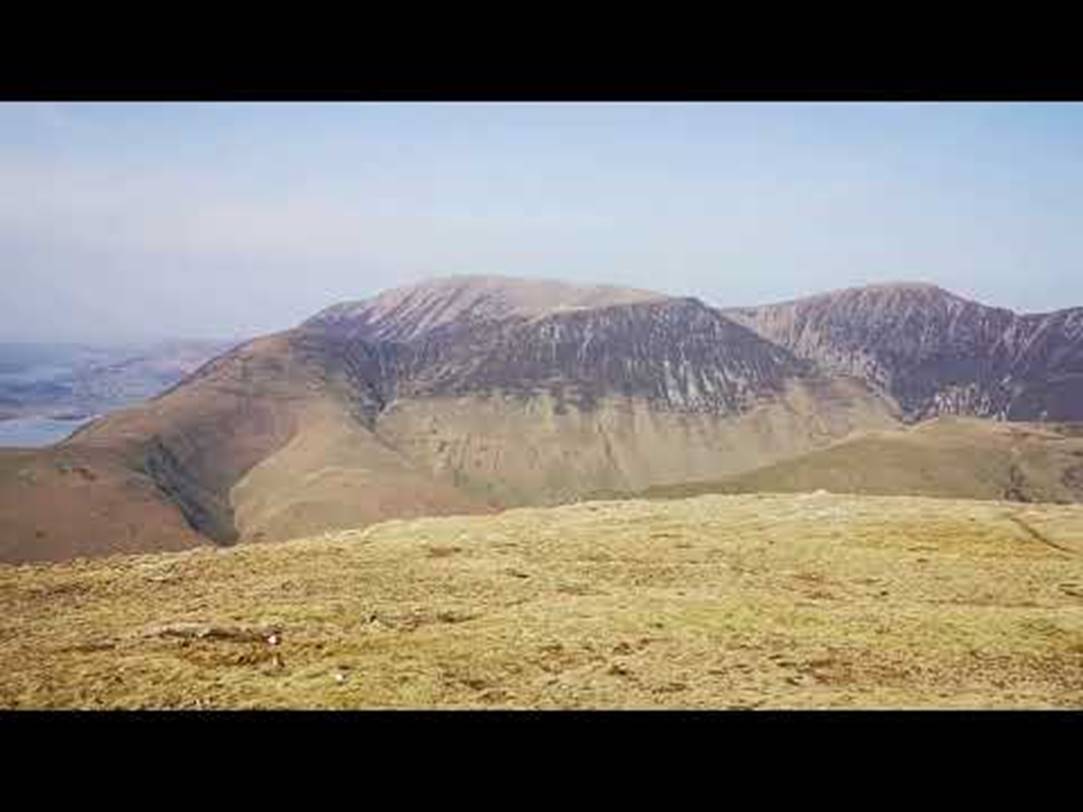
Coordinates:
945	457
48	390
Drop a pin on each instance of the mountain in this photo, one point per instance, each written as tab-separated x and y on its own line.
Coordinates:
936	353
475	394
948	457
545	408
461	395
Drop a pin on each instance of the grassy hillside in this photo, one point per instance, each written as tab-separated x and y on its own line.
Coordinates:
332	474
534	452
949	457
719	601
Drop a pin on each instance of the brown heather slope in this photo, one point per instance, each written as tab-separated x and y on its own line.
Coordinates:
795	601
946	457
49	497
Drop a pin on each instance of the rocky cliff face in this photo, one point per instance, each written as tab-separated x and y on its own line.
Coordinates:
677	354
936	353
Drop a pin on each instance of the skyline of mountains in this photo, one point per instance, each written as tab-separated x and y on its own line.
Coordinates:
476	393
48	390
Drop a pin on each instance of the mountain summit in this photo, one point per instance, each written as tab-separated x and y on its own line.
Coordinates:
408	312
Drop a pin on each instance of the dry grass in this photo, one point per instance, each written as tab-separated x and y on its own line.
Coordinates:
962	458
786	601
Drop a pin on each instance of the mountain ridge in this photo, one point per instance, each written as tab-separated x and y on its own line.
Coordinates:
471	394
935	352
409	311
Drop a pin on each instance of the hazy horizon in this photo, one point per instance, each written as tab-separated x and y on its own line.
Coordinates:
147	221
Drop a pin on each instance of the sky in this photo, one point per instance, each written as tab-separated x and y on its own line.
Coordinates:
138	221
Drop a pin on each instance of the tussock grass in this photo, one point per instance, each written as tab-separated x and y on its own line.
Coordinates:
806	600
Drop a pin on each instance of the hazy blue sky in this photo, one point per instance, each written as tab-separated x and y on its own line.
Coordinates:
142	220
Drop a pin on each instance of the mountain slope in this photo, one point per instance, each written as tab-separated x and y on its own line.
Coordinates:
937	353
541	408
334	472
945	457
677	353
63	502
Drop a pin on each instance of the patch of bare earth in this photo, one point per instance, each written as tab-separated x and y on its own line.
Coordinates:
749	601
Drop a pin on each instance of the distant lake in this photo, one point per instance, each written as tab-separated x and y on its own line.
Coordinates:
34	432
